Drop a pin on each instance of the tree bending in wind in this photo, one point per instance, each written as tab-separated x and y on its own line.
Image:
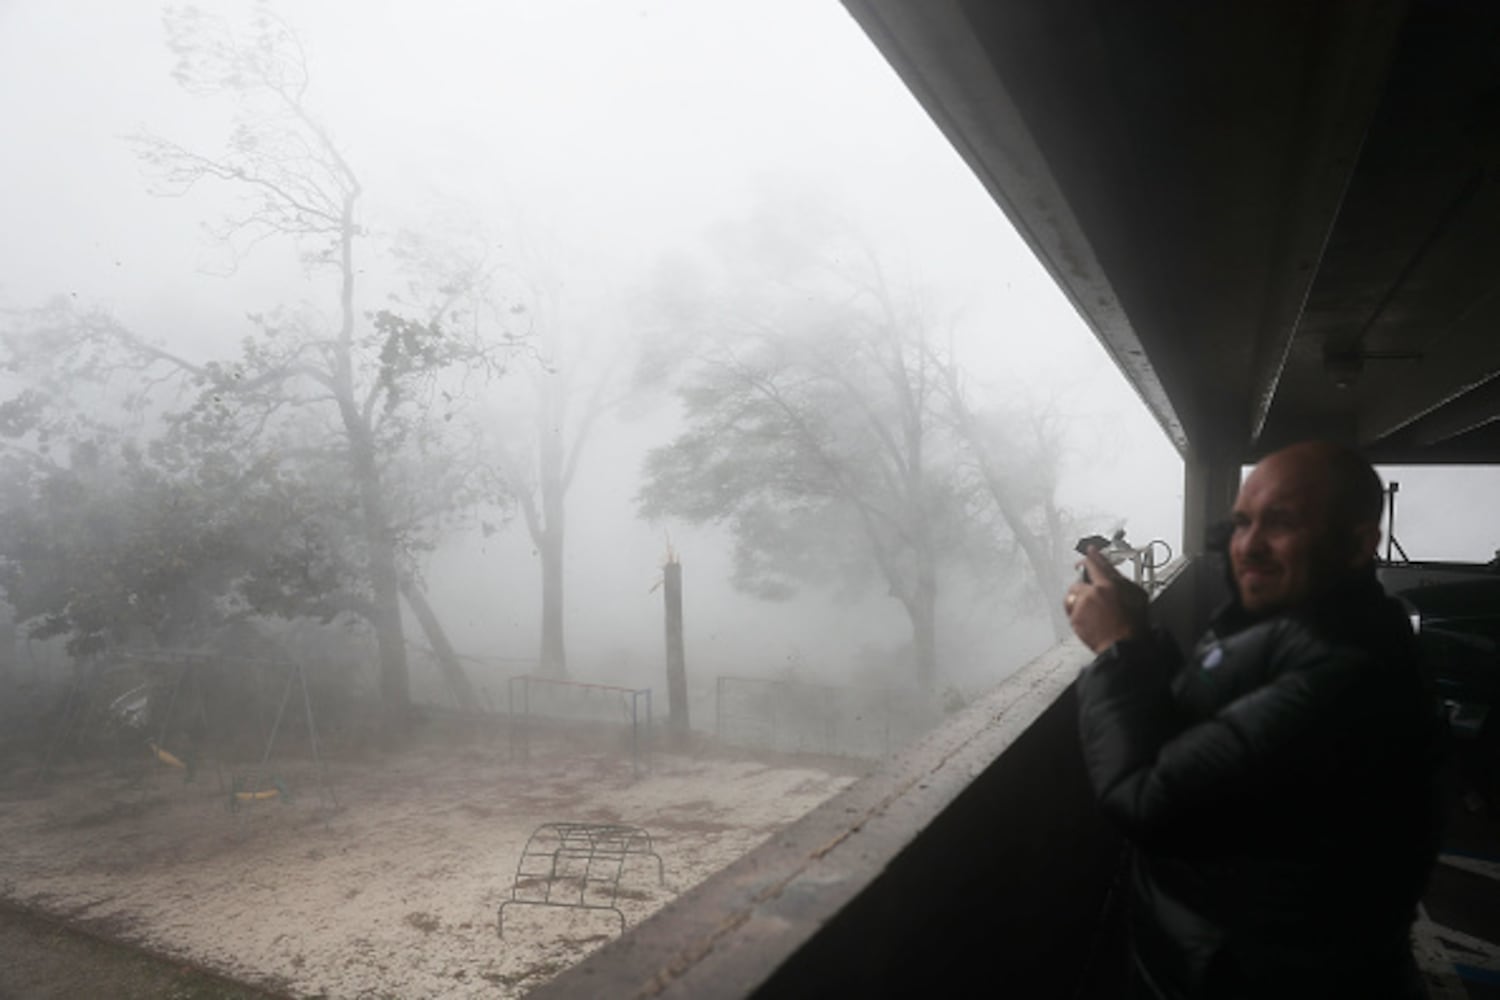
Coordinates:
813	433
113	543
378	377
1009	461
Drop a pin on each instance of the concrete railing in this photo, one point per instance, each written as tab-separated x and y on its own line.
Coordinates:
976	855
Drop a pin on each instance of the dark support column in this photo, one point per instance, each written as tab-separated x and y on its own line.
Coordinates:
1210	483
677	701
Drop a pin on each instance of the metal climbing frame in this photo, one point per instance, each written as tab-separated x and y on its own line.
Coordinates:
577	866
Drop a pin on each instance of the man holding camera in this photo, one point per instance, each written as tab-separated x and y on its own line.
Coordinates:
1278	786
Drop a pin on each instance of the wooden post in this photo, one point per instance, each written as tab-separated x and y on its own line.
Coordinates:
677	701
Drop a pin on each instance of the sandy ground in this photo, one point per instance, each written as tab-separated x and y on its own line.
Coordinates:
393	891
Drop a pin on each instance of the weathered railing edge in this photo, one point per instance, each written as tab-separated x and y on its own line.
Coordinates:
723	938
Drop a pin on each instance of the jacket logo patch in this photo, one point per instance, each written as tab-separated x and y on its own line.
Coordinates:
1213	657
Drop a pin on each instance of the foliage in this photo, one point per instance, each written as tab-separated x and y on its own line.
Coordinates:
813	433
829	430
355	406
1009	462
115	546
809	445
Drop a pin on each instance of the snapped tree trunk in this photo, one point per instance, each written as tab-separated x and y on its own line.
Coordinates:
549	533
453	671
677	700
553	658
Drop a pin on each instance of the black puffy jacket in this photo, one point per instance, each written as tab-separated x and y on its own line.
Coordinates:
1279	791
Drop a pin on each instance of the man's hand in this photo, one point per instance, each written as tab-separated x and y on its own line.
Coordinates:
1107	609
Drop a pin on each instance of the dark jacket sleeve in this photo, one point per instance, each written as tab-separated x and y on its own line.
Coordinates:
1151	770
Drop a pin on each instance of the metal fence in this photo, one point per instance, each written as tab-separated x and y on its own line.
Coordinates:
532	702
787	716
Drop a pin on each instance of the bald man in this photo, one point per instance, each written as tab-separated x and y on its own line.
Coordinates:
1278	786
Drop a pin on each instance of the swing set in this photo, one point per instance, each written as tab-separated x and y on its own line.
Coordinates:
178	748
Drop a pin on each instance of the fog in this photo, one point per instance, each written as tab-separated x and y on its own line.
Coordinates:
575	143
585	140
616	282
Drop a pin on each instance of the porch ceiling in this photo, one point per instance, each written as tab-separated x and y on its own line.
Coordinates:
1281	219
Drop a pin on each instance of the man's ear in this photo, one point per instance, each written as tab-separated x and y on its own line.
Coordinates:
1364	544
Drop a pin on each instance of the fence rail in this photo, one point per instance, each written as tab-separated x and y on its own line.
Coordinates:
788	716
530	698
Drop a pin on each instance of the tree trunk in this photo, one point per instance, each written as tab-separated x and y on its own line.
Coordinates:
921	608
1041	552
1054	578
550	538
1049	578
677	699
395	683
553	659
453	671
385	580
385	583
924	645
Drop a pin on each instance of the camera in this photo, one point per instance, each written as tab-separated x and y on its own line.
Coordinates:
1144	561
1093	542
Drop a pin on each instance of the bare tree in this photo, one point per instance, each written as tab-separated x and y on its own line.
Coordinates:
1013	458
572	385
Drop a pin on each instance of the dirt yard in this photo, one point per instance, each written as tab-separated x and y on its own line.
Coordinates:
393	890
